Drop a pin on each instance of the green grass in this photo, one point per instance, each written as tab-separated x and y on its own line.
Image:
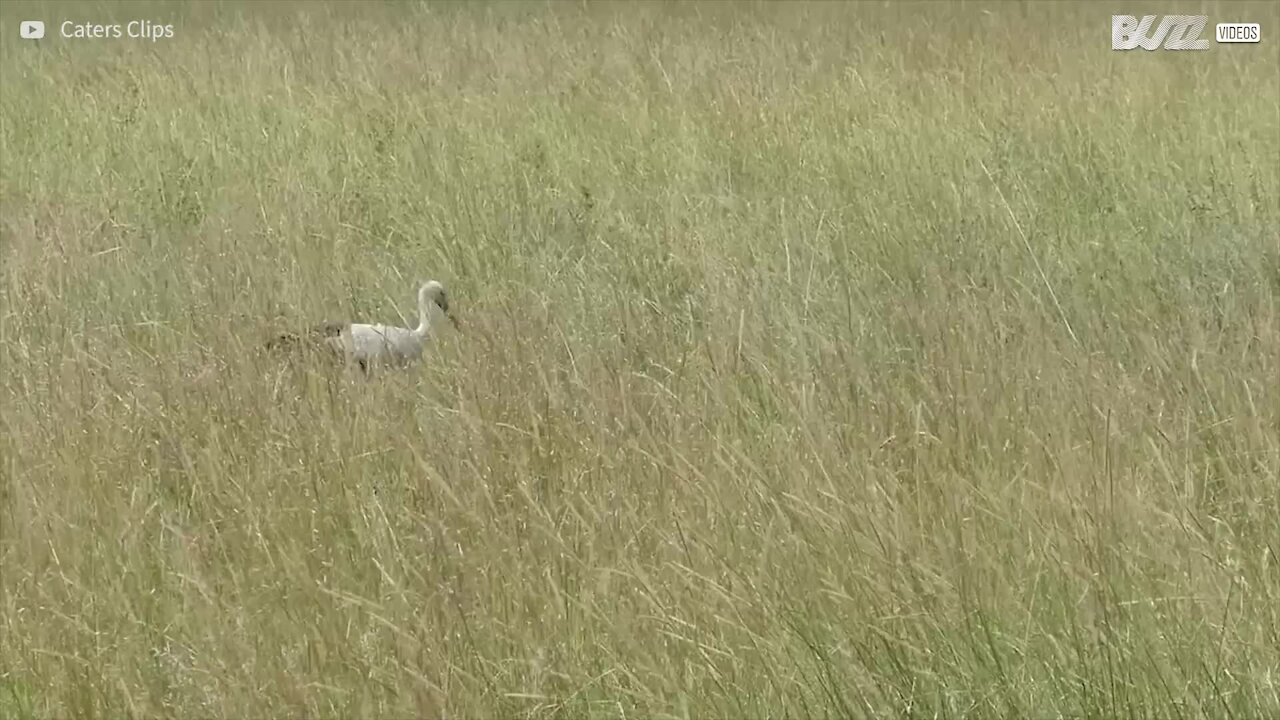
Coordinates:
818	360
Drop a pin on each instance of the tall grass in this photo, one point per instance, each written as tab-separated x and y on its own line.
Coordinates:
818	360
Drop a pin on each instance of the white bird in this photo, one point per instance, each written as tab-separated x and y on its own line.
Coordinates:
368	345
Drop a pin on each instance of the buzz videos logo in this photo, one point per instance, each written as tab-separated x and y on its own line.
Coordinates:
1176	32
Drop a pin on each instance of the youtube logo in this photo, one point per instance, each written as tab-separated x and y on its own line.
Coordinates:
32	29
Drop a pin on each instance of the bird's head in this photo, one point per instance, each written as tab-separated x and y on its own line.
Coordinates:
434	293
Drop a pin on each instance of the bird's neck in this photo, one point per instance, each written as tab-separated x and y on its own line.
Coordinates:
424	318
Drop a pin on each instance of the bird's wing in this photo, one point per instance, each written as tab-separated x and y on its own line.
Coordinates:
368	341
405	343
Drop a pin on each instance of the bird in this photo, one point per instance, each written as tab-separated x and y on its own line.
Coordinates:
369	345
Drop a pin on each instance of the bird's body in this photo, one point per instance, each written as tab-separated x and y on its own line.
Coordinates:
369	345
383	343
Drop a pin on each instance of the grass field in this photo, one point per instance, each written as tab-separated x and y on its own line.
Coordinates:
822	360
